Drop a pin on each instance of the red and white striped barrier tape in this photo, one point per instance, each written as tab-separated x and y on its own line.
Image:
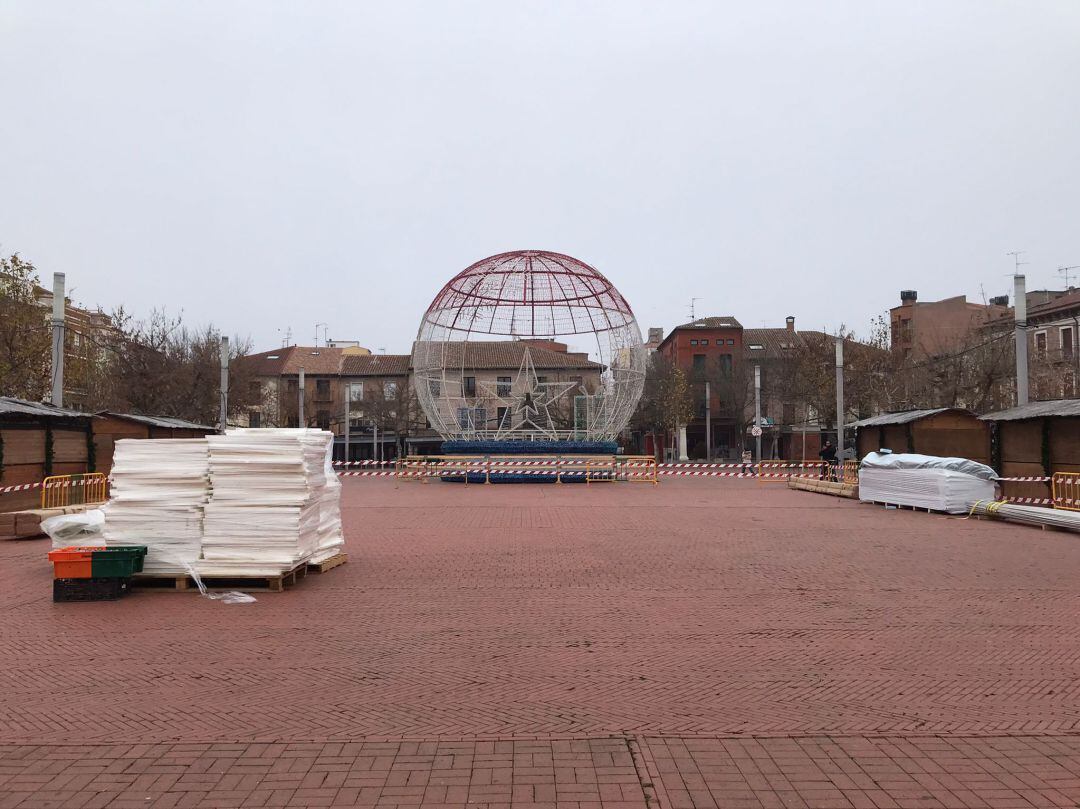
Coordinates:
56	484
22	487
1025	480
1030	501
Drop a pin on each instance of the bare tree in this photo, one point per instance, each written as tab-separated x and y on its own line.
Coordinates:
24	333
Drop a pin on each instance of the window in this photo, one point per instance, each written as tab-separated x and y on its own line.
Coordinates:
725	363
693	342
704	342
356	392
1068	385
469	418
389	391
576	380
699	364
435	386
292	388
1040	344
503	388
469	386
757	347
541	379
1068	342
322	418
789	413
254	419
501	415
322	390
255	389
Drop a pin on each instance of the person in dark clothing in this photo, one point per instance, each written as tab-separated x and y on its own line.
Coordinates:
828	458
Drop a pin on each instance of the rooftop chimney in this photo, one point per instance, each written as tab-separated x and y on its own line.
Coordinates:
790	322
908	297
656	335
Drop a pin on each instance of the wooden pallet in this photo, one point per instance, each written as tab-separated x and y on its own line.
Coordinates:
274	584
328	564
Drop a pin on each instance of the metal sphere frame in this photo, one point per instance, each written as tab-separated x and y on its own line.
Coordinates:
511	306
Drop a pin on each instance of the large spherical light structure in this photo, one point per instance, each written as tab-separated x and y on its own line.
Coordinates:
529	345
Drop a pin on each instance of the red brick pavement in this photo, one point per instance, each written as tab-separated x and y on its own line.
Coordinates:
663	621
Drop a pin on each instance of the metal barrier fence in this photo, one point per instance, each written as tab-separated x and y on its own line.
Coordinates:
589	468
782	471
1065	490
72	490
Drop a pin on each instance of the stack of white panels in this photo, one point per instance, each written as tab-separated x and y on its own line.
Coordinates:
263	515
331	540
923	481
158	491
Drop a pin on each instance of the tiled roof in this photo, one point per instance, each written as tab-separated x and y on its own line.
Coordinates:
505	354
725	322
1069	301
314	361
775	342
267	363
375	365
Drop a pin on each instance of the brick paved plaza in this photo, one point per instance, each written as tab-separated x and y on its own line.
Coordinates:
703	643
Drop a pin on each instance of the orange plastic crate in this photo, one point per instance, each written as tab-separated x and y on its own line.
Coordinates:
74	562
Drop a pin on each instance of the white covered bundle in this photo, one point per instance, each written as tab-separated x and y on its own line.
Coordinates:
264	509
925	481
330	539
158	490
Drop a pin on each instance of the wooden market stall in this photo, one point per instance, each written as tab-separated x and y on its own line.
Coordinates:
111	427
945	431
1036	440
38	440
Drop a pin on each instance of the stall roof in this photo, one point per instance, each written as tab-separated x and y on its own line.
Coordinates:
1036	410
22	407
903	417
159	421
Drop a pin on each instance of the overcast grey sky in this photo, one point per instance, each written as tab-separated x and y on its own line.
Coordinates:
263	165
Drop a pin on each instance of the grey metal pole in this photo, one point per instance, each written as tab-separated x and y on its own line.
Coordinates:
839	397
708	424
757	410
58	339
224	396
300	410
1020	311
375	441
348	413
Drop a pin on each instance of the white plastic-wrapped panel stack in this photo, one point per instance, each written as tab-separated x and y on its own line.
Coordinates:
158	491
263	514
331	540
925	481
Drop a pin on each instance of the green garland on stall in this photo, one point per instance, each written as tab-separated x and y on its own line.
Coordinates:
1046	446
48	450
91	449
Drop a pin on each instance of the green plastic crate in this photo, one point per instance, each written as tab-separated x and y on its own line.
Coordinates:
118	562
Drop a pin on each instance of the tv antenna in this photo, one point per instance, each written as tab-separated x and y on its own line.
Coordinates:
693	315
1067	272
286	341
317	333
1016	259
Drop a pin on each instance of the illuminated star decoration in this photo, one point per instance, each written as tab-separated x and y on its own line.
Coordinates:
529	401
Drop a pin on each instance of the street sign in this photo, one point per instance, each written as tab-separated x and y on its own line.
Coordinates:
755	431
